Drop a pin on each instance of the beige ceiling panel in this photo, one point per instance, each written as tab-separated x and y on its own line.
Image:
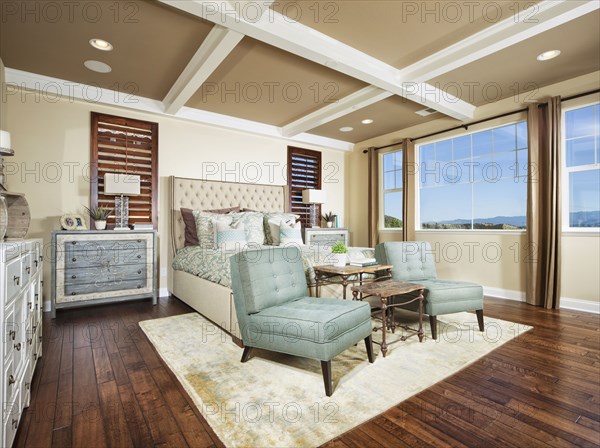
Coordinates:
516	69
388	115
399	33
152	43
262	83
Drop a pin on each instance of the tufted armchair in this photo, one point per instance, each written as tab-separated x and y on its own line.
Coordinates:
275	313
413	261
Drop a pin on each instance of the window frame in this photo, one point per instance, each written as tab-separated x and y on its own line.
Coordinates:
493	124
381	218
566	170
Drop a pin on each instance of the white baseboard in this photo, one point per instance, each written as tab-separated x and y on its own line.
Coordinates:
163	292
587	306
507	294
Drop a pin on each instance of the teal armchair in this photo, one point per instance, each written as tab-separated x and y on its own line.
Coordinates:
275	312
413	261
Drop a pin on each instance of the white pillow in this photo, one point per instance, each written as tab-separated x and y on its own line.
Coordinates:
275	224
290	233
230	236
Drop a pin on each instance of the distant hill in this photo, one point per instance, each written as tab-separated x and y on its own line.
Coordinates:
497	222
585	219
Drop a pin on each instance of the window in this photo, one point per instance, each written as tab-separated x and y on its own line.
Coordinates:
125	146
475	181
391	210
581	180
304	173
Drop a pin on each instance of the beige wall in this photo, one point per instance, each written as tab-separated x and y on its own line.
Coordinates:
504	277
3	106
52	150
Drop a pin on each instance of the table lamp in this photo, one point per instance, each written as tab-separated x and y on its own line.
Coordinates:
314	197
122	185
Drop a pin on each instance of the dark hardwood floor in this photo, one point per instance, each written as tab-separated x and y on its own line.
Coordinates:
100	383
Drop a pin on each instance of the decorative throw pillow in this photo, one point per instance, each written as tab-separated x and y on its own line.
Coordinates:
230	236
205	228
274	228
253	223
276	218
223	211
191	235
290	233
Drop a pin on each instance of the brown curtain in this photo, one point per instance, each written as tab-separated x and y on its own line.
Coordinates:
373	197
544	204
408	190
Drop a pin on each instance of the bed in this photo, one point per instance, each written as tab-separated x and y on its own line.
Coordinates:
211	296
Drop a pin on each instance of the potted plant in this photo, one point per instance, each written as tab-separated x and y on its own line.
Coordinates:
329	218
339	254
99	214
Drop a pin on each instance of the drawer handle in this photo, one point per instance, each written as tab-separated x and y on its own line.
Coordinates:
29	341
139	241
35	356
27	386
11	380
40	340
28	269
36	263
30	305
15	423
18	347
139	286
140	271
139	256
34	327
73	293
12	334
17	280
73	276
41	258
73	242
74	259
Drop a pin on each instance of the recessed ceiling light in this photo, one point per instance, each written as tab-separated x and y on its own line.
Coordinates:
346	129
101	44
97	66
367	121
547	55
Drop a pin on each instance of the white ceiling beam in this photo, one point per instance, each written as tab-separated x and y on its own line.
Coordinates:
537	19
277	30
357	100
215	48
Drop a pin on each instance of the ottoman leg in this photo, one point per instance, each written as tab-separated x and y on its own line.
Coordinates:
326	367
480	319
433	325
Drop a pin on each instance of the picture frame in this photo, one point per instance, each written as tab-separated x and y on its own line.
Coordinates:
70	221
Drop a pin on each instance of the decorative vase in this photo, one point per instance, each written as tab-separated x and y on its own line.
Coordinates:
329	224
339	260
100	225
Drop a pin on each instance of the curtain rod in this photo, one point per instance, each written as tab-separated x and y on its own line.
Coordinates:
466	126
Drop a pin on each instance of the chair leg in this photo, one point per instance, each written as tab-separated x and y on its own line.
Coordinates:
369	345
433	325
326	367
246	354
480	319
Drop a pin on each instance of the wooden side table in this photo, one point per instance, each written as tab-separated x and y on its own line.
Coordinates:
325	273
384	290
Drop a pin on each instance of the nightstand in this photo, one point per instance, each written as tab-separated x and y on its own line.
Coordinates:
326	236
94	267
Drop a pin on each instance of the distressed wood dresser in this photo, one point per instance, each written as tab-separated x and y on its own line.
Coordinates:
94	267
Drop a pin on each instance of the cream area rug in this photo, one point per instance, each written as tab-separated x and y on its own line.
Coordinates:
276	400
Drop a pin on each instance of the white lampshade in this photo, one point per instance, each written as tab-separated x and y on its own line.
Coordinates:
127	184
314	197
5	145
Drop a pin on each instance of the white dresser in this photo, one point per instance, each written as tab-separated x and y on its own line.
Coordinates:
21	313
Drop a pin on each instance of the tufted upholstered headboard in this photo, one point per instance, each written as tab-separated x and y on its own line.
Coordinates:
203	194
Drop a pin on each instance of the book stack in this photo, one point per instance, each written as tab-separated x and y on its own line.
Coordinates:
363	262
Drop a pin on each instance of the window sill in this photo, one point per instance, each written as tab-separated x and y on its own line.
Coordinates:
584	233
395	230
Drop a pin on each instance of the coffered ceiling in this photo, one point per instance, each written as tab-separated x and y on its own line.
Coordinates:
303	69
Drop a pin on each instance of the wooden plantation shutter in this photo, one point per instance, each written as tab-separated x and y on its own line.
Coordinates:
304	173
125	146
